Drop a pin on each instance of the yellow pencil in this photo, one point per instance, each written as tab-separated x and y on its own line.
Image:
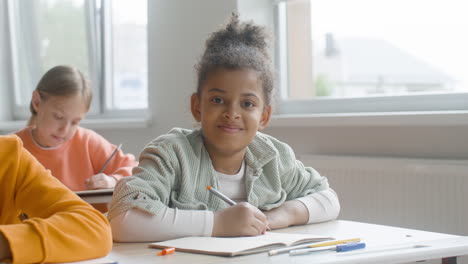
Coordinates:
335	242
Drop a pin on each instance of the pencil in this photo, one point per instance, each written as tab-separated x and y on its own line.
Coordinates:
109	159
220	195
224	198
335	242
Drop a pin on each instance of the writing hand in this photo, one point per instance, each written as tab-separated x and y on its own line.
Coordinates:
242	219
100	181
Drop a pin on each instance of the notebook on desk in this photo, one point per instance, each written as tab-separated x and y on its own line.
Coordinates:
237	246
95	192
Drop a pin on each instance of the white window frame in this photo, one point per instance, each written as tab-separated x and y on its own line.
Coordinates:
100	64
443	105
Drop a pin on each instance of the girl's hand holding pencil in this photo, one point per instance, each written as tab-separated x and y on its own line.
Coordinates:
100	181
242	219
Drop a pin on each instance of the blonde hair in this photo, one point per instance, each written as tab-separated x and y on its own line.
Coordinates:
62	80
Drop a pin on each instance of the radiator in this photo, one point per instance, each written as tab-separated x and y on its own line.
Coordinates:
423	194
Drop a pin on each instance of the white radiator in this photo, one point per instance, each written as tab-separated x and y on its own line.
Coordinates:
422	194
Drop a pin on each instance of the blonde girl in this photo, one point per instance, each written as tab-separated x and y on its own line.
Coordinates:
74	154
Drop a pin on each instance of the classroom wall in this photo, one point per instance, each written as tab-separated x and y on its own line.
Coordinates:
436	142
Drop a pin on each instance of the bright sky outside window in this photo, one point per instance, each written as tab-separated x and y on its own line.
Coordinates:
367	48
129	24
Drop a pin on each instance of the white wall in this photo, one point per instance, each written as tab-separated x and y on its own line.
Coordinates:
438	142
177	31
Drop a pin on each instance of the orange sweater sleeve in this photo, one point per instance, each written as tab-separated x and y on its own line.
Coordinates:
119	166
61	227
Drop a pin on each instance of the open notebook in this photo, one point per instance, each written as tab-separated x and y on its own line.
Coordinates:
237	246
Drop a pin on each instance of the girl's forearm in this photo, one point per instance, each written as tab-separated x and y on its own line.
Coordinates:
289	213
297	212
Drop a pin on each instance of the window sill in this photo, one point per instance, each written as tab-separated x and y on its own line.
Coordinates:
11	126
119	123
429	118
107	123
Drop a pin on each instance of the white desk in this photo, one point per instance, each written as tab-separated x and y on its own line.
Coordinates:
441	246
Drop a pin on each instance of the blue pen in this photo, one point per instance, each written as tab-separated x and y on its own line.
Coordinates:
337	248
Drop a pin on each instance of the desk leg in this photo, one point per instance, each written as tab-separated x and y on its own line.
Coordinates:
450	260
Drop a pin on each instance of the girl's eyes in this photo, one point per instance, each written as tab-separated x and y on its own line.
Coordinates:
248	104
60	118
245	104
217	100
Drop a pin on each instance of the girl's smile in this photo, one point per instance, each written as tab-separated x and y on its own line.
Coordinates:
230	128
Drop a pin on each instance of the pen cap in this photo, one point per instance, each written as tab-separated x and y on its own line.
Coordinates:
166	251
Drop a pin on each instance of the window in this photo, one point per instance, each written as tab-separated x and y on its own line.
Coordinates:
105	39
372	56
129	46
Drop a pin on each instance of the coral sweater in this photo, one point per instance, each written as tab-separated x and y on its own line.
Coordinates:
61	227
80	157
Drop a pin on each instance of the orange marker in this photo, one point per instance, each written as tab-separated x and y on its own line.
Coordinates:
166	251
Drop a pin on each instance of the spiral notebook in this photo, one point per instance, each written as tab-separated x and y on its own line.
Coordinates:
238	246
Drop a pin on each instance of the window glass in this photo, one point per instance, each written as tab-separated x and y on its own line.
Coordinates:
48	33
129	23
63	42
368	48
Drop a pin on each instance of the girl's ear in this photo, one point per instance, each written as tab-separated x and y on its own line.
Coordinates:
36	100
266	115
195	107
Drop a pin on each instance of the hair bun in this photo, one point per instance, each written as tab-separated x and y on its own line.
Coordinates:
236	33
238	45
